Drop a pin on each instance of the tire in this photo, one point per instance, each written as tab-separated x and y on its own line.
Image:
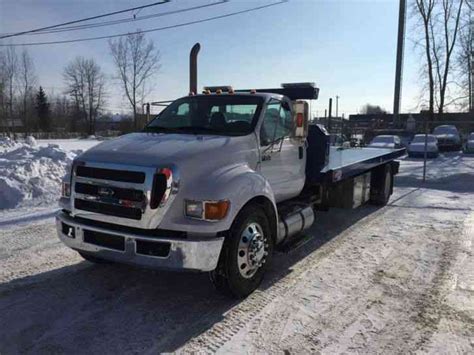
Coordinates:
234	275
93	259
381	185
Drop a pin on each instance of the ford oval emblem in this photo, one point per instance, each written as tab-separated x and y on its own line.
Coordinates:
105	191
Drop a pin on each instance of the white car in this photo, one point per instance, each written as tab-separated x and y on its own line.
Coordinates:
470	143
448	137
386	141
417	146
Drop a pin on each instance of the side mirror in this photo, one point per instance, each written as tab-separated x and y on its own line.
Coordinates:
300	118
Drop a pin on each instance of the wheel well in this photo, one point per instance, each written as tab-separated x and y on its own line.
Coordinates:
269	210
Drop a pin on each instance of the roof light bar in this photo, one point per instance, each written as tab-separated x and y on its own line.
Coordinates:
223	88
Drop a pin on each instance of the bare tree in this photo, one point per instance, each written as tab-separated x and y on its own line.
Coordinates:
441	23
3	87
451	17
85	82
11	72
26	80
464	65
425	9
136	60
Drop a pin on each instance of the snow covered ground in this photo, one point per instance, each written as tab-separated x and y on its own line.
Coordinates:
397	279
30	176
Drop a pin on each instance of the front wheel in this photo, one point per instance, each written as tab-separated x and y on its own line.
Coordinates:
246	254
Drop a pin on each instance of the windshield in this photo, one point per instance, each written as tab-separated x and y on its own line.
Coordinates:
421	139
383	139
210	114
445	130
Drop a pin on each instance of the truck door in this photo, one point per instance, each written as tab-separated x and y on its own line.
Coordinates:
282	159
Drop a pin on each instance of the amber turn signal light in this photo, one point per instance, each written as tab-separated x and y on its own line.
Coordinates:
216	210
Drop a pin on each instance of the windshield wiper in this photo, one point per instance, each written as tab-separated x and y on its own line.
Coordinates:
159	129
200	129
189	129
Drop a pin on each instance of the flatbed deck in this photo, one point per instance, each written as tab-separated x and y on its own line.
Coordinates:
346	163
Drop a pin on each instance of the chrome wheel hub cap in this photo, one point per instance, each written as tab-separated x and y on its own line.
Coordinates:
253	250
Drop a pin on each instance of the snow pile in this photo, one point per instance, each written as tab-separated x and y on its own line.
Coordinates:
6	144
30	175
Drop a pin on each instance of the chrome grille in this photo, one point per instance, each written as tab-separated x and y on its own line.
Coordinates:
122	194
108	209
135	177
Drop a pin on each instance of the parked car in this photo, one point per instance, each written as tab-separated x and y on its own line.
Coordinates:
417	146
448	138
404	135
469	147
386	141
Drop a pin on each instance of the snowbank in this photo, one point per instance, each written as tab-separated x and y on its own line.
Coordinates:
30	175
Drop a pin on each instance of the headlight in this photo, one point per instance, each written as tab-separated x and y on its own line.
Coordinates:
207	210
194	209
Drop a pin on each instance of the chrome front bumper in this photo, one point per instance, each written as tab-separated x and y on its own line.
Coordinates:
197	255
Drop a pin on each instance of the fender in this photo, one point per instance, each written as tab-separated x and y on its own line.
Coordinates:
237	183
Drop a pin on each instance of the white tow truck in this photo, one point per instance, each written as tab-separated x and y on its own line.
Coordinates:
215	183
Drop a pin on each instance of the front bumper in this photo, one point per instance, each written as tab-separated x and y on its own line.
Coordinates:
449	146
179	254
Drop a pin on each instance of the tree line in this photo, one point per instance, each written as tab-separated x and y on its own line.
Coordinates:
26	107
442	32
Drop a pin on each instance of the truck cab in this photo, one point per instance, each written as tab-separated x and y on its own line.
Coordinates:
214	183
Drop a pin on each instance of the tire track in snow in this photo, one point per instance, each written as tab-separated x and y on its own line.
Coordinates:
240	315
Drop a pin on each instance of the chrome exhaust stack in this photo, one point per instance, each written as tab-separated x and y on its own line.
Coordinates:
193	70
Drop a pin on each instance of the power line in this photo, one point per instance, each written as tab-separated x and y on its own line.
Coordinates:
149	30
120	21
84	19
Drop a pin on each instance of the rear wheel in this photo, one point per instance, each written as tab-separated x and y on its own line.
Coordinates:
93	259
246	254
381	185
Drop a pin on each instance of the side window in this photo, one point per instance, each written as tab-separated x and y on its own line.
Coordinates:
183	109
277	122
286	120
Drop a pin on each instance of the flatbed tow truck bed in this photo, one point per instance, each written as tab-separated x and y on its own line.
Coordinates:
350	162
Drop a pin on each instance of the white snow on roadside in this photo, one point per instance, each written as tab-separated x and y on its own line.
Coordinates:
31	174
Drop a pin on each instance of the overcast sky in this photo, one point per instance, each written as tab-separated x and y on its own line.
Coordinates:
347	47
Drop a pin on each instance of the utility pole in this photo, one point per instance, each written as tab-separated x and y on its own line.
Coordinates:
399	65
469	64
330	115
337	106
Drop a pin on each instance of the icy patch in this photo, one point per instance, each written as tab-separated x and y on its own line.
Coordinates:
30	175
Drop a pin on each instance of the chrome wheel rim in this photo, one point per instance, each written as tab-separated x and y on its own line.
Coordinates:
253	250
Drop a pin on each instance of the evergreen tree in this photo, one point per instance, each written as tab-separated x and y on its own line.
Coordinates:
42	107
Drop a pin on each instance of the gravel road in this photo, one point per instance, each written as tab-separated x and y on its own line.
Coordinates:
395	279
